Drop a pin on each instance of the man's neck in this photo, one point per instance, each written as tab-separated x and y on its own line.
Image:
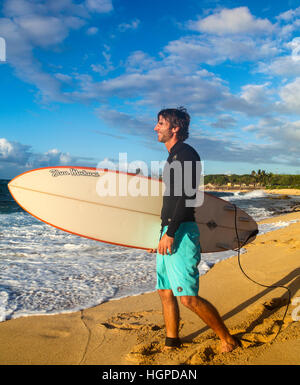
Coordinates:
170	143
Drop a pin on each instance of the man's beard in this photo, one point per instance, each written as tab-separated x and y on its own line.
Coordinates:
163	138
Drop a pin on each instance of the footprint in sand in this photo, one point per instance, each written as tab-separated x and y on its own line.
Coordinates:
145	320
262	328
56	333
266	324
292	243
142	353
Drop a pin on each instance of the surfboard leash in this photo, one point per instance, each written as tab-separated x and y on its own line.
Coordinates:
251	279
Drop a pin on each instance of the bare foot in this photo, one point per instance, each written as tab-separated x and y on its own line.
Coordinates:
229	346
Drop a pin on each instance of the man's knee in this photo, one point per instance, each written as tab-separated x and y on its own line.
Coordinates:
188	300
166	295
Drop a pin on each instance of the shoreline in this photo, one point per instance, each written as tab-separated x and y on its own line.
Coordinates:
283	191
266	191
211	264
130	330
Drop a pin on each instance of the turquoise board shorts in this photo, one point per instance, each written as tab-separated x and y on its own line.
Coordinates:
179	271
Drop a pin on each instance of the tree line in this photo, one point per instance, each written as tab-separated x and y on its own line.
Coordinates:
256	178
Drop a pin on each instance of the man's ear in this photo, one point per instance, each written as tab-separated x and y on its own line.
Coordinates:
175	130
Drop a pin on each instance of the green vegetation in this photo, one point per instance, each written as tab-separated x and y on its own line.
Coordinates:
255	179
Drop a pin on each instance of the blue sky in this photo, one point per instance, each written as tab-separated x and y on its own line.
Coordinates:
83	81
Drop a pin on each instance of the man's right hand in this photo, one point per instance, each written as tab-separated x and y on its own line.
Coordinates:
152	250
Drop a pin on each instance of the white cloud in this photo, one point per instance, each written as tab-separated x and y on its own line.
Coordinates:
294	45
64	78
99	6
224	121
42	31
290	96
281	133
139	61
291	136
289	15
92	31
125	123
13	151
53	157
286	64
215	49
14	8
253	100
107	66
129	26
16	158
156	88
5	148
255	94
288	22
281	66
226	150
232	21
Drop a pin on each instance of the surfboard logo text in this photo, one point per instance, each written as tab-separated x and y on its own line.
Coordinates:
74	172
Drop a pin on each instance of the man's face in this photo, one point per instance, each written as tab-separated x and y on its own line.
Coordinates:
164	133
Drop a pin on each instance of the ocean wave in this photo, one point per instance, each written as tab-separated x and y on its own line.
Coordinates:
7	203
237	195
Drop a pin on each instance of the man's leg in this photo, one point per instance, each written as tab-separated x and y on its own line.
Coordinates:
170	312
209	314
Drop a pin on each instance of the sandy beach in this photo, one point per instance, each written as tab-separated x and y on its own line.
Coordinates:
288	191
130	331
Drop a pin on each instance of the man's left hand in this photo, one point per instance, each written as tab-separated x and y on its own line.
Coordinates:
165	245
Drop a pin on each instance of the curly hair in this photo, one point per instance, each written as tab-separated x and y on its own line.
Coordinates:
177	117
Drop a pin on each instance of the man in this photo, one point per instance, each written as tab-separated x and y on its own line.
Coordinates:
178	251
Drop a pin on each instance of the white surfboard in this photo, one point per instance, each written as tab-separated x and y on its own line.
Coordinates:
121	208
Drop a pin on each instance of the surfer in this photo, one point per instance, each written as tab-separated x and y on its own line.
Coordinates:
178	251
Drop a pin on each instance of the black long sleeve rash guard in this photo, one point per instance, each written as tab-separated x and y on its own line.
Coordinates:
181	176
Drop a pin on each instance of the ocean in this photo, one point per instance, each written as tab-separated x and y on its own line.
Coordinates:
44	270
